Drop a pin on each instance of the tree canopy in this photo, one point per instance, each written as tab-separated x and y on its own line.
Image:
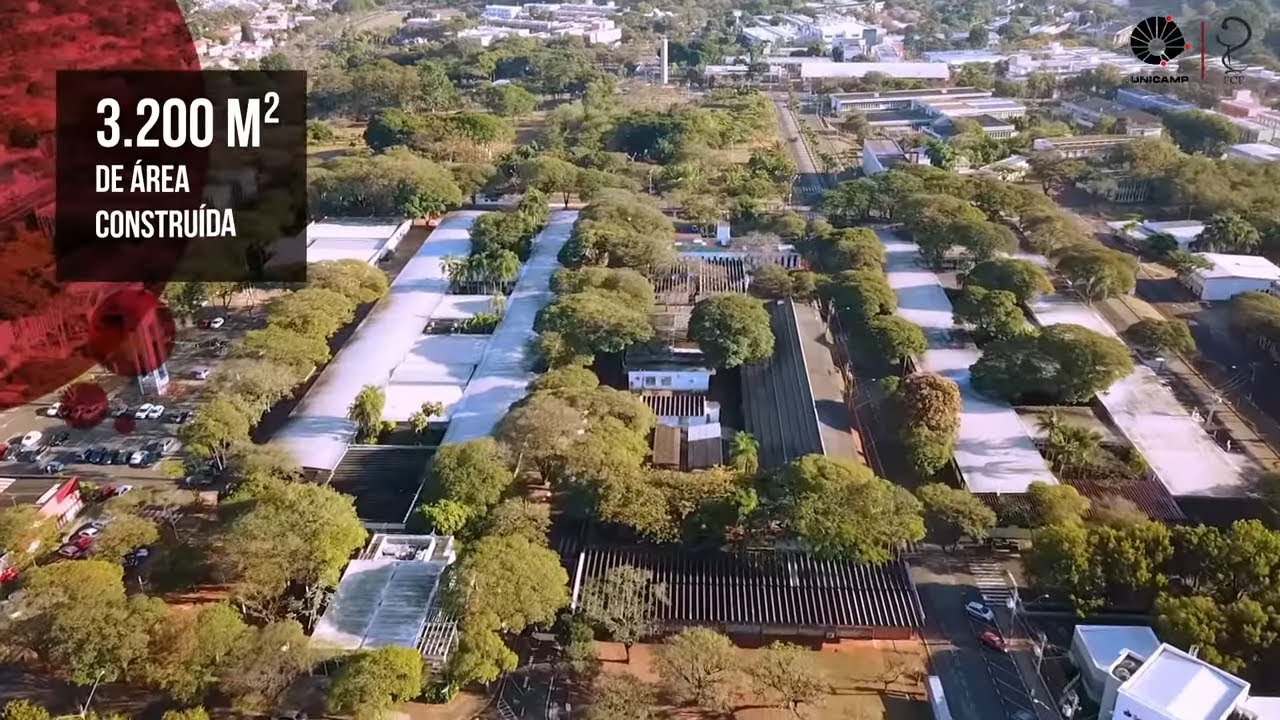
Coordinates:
732	329
1063	363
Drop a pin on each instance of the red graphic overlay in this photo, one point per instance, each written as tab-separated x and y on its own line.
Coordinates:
47	334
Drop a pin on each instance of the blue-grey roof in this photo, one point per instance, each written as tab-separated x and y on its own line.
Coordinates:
318	431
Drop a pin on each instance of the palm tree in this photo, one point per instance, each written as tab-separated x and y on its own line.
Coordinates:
744	453
1076	447
1051	425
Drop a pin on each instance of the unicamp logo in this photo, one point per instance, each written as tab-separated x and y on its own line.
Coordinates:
1157	41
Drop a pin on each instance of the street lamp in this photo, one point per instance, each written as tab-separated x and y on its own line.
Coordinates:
84	709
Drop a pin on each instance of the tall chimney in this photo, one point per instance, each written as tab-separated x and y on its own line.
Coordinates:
666	62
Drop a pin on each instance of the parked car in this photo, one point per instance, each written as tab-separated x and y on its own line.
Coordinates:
980	611
59	438
8	574
11	451
992	639
52	468
110	491
97	455
54	410
33	454
134	557
89	531
31	438
141	413
118	457
71	552
138	457
120	409
213	323
200	373
179	416
155	412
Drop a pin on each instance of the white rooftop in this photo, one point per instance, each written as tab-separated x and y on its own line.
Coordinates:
1182	687
1255	151
318	431
437	369
388	596
1184	232
504	372
1107	643
832	69
461	307
1181	454
363	239
1264	708
993	450
1238	266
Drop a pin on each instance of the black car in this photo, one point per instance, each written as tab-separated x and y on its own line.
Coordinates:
180	417
11	452
59	438
98	456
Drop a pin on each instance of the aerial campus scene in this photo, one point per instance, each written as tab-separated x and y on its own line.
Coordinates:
748	359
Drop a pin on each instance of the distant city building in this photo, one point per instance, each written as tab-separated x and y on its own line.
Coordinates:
1090	112
1063	61
1082	145
880	154
898	99
1138	233
1142	99
593	23
1244	105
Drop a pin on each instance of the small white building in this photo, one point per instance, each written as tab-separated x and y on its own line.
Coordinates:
1230	275
684	409
1096	648
1184	232
1171	685
880	154
677	369
1256	152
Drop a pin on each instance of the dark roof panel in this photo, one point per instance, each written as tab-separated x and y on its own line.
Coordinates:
768	587
666	445
684	405
385	481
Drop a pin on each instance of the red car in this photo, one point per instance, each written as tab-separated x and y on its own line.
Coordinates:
8	574
993	640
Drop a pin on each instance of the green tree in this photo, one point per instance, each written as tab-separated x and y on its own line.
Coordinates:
355	280
23	710
1064	362
371	683
927	450
1023	278
1196	131
508	100
744	453
620	229
993	314
571	378
366	412
1061	560
842	509
473	473
549	175
698	666
124	533
315	312
788	675
951	513
1172	336
941	154
509	583
516	516
596	321
771	282
265	664
192	713
295	535
215	430
1229	233
732	329
1057	504
931	401
862	295
481	656
896	338
1052	170
624	603
1074	448
184	299
285	347
26	533
190	649
395	183
437	90
448	517
615	697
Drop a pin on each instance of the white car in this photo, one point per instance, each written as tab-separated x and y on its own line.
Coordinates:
143	409
31	438
122	489
54	410
155	412
215	323
980	611
88	531
200	373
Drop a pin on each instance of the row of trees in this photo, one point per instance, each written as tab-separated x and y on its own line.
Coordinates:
269	363
500	242
1207	587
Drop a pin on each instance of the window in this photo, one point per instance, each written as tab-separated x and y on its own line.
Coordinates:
650	381
666	382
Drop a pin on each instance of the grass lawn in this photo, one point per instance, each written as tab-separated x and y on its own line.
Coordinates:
854	669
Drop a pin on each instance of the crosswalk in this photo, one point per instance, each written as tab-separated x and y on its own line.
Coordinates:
161	513
990	579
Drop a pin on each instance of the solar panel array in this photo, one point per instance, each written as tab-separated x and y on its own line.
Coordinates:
768	587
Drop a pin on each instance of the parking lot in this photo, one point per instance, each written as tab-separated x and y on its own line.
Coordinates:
197	352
